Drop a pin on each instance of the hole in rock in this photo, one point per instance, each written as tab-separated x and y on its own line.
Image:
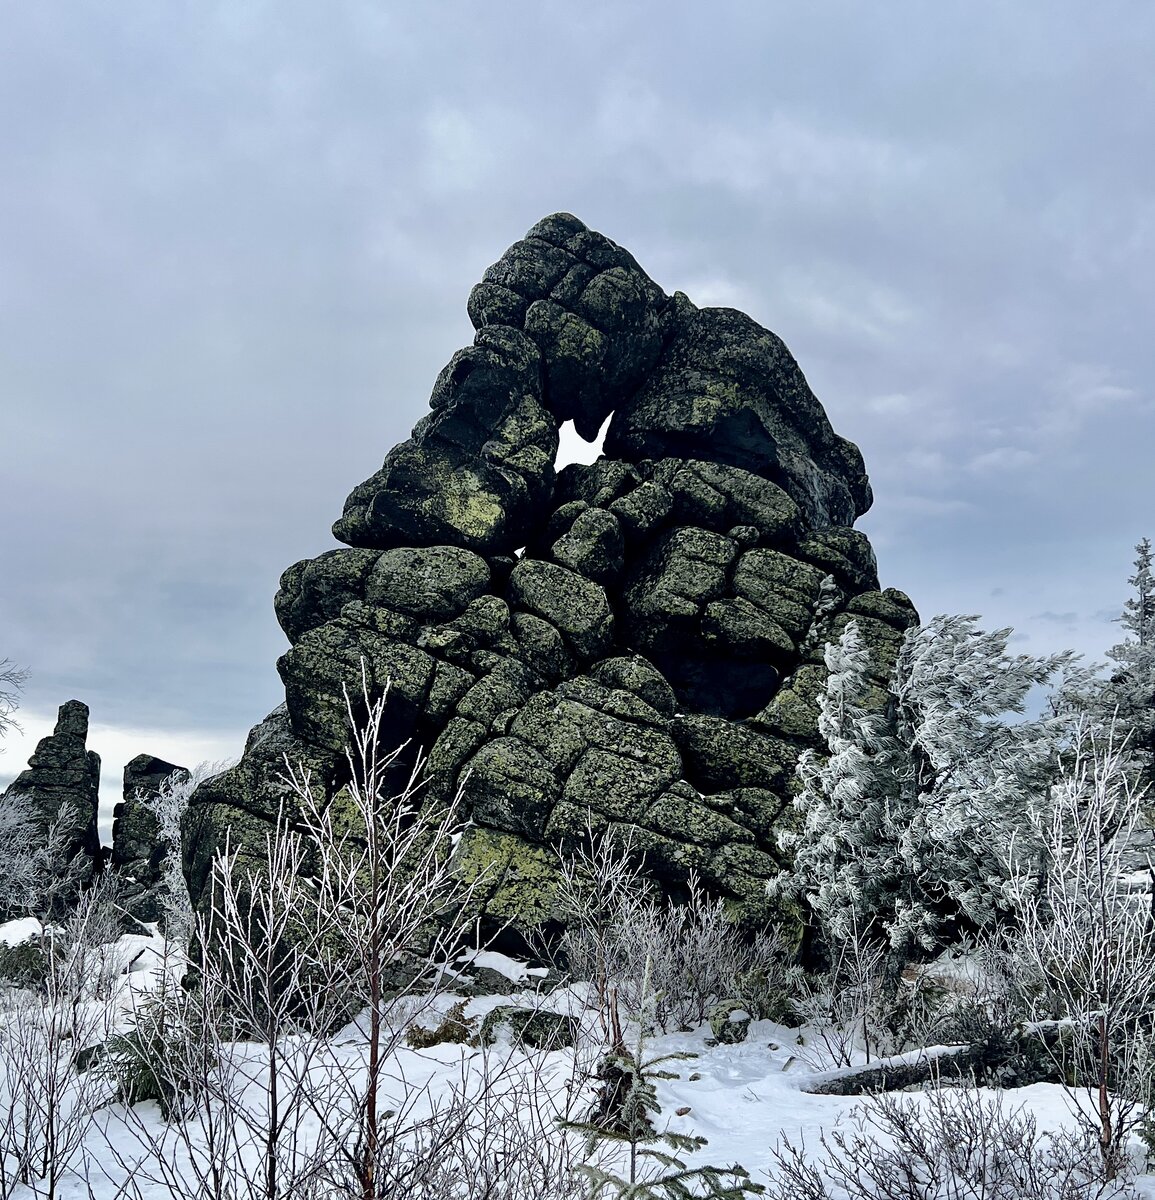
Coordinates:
719	687
404	731
461	373
572	448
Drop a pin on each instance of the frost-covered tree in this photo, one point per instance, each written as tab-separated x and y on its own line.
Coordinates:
38	877
905	820
169	805
1139	610
1130	692
846	852
971	763
22	851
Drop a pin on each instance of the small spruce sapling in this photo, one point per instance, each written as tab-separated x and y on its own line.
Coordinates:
622	1117
162	1056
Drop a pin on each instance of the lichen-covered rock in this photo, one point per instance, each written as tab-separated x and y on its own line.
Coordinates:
511	787
729	1023
63	784
728	391
435	582
593	546
720	754
635	643
793	713
477	470
845	554
639	677
314	591
594	314
722	497
882	618
575	606
137	851
242	802
513	881
536	1027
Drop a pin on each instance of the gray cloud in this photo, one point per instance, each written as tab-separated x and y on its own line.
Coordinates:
236	241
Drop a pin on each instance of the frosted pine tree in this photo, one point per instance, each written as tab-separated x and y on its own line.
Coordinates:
906	820
845	853
970	765
1130	694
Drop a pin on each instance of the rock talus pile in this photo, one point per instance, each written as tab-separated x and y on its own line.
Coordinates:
635	642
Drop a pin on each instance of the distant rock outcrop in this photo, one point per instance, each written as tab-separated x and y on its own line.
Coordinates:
136	848
63	783
637	642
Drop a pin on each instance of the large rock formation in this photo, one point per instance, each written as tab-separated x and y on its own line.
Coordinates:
63	784
634	642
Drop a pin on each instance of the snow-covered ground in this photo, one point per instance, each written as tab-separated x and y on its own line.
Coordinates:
744	1098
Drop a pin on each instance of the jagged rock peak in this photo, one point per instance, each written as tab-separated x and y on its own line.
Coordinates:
634	642
63	782
72	720
569	327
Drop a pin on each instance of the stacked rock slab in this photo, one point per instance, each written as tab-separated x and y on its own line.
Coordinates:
636	642
63	784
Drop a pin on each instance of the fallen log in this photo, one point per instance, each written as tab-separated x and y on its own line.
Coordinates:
900	1071
1001	1058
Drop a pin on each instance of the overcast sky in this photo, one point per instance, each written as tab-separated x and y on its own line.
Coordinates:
236	241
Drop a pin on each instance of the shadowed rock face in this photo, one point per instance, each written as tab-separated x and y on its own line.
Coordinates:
137	851
63	782
637	642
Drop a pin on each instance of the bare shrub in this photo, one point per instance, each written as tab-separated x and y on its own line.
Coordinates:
494	1131
12	680
1081	961
696	956
352	906
950	1144
389	906
700	958
46	1101
599	887
849	1007
232	1058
